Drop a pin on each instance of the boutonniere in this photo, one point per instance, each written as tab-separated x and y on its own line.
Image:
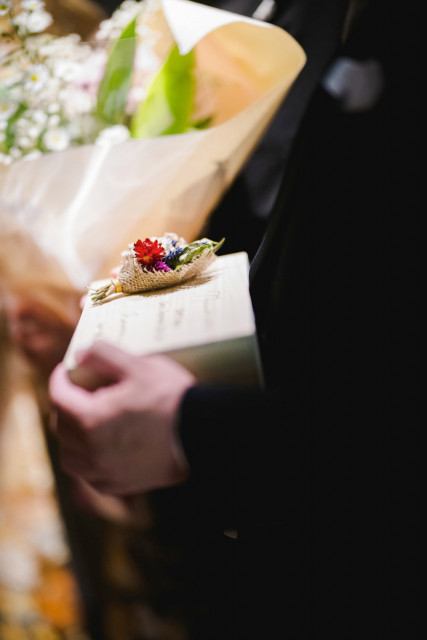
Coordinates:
158	262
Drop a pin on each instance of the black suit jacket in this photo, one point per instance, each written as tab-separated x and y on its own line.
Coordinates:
316	472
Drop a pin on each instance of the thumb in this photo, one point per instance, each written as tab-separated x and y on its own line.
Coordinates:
101	365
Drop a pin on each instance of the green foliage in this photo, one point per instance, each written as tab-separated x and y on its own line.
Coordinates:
10	136
168	105
114	87
196	248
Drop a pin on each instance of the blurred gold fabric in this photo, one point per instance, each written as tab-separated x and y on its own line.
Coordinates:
38	592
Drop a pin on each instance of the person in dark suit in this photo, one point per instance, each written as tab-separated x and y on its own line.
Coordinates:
308	475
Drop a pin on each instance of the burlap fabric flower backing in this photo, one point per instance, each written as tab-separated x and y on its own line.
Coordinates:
132	278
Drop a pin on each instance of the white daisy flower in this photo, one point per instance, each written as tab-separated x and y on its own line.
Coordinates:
36	77
56	139
4	7
28	22
39	21
7	108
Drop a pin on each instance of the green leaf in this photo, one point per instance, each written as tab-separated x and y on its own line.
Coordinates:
10	136
169	102
114	87
198	247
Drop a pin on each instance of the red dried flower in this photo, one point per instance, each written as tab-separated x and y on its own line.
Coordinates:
148	252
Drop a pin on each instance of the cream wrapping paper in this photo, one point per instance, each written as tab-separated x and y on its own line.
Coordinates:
66	217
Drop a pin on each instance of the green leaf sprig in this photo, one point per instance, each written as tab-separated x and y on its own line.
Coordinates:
196	248
169	103
114	87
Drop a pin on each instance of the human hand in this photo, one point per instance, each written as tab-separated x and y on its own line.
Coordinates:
121	438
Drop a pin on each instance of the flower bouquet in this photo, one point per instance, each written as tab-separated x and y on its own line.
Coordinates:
140	131
156	263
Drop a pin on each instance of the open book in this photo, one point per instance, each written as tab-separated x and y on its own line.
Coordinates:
206	324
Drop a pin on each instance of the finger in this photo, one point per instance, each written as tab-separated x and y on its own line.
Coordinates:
72	436
67	396
78	409
78	466
105	359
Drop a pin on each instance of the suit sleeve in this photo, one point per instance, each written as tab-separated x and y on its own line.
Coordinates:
247	452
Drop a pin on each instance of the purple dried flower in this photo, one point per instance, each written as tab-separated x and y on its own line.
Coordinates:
173	257
160	265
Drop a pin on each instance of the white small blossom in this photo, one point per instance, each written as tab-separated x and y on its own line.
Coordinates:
169	241
26	130
2	136
39	117
39	21
53	121
113	27
22	124
4	7
69	47
56	139
36	77
66	70
92	71
24	142
28	22
7	108
34	131
104	30
15	153
32	5
53	107
113	135
10	75
75	102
